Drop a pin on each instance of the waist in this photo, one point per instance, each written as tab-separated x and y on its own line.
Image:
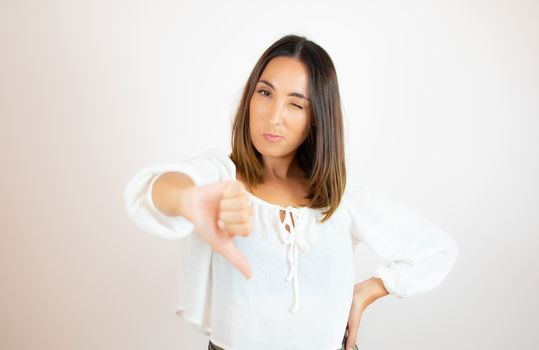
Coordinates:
212	346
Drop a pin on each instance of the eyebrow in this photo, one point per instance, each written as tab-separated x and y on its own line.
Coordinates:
296	94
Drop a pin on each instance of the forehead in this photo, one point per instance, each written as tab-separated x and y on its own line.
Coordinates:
287	74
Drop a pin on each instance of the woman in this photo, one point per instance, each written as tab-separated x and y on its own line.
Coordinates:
282	221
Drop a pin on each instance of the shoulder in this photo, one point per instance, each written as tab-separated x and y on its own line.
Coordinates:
220	157
214	153
215	163
355	194
366	201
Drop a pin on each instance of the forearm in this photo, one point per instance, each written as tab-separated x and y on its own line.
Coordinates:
367	291
169	193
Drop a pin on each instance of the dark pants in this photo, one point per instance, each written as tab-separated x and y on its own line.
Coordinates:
212	346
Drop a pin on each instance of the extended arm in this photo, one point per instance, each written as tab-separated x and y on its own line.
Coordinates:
169	194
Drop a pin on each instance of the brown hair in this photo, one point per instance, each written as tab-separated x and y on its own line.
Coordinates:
321	156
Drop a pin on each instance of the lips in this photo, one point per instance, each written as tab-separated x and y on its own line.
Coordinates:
273	137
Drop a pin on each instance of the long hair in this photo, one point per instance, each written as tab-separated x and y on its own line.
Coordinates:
321	156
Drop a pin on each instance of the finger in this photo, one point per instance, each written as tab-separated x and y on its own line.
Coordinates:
223	230
243	229
236	216
221	225
234	203
231	253
232	227
232	189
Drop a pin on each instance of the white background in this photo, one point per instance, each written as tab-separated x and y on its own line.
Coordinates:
442	113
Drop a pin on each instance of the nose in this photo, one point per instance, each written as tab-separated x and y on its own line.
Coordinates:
276	114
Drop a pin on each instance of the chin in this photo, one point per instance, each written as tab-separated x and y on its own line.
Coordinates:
274	152
269	150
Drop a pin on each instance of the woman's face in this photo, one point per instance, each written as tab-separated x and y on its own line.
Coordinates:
280	106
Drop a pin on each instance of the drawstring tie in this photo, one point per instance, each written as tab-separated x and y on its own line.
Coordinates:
295	240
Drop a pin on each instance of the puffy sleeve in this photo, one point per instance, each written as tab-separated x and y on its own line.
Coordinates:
207	167
194	273
420	254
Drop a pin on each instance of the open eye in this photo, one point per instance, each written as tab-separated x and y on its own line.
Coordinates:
261	91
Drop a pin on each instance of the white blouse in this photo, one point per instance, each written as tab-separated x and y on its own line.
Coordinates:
301	289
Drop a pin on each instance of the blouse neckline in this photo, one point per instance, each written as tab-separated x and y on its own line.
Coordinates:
273	205
294	238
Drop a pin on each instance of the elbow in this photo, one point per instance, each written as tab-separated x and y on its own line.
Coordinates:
442	264
129	199
404	278
437	268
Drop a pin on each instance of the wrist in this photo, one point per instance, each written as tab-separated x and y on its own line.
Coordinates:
185	203
366	292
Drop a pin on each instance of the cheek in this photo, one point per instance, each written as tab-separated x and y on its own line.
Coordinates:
256	108
257	114
253	115
299	125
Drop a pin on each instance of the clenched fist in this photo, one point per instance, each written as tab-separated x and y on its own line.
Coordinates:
219	211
